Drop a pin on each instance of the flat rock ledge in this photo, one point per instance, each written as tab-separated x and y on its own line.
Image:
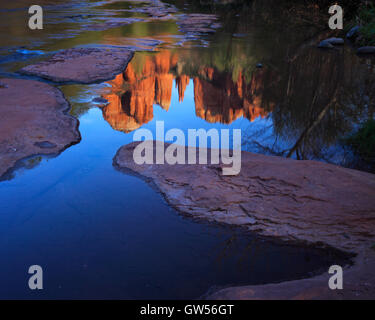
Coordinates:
298	201
82	65
33	121
198	23
111	23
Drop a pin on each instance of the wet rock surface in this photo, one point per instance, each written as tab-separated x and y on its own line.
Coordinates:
82	65
34	122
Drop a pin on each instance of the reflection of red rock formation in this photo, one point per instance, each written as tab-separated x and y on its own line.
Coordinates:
215	104
128	111
254	96
217	97
223	100
181	83
133	95
163	90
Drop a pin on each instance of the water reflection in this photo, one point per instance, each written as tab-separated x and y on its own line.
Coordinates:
314	101
149	79
311	100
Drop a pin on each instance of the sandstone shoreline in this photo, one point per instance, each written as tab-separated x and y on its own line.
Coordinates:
298	201
34	122
82	65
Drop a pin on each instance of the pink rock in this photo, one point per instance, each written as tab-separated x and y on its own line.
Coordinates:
34	120
82	65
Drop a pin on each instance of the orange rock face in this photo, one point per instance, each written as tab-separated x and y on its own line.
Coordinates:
217	97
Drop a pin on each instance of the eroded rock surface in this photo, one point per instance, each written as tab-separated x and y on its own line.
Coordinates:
82	65
33	120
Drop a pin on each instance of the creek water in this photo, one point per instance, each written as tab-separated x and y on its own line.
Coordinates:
99	233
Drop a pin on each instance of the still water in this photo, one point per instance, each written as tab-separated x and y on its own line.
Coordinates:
99	233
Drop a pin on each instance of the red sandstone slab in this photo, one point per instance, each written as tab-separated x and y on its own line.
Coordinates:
82	65
34	120
307	201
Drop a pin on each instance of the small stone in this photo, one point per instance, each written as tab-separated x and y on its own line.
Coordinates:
366	50
325	45
353	32
336	41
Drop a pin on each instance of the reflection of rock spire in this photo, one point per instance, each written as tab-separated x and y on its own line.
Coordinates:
164	62
128	111
220	99
163	90
181	83
133	95
217	97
